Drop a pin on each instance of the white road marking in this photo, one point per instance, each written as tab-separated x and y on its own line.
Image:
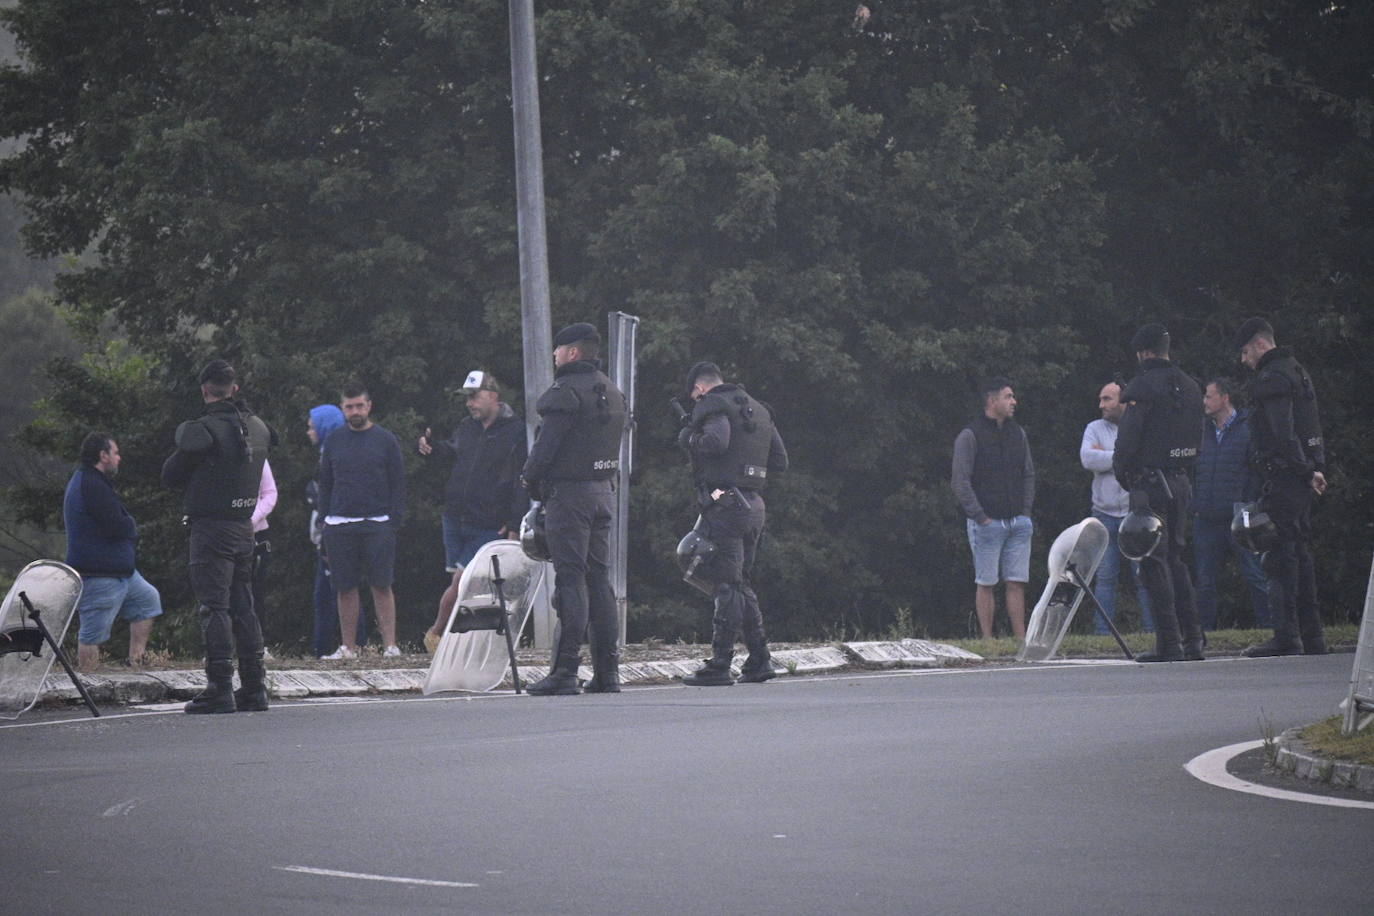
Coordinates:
121	809
1211	769
331	873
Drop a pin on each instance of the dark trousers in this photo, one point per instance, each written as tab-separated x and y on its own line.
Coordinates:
1292	577
1212	542
221	568
735	528
578	516
1164	572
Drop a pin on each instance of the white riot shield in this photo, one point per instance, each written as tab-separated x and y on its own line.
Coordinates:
477	660
1078	549
53	589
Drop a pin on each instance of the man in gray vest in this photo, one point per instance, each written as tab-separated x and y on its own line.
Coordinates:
994	480
575	455
218	461
734	446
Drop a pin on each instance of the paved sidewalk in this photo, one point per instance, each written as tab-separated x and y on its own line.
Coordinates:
164	686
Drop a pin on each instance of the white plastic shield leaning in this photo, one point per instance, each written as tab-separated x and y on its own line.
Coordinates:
54	589
1080	548
477	660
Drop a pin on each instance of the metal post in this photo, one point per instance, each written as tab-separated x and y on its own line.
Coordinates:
622	368
534	255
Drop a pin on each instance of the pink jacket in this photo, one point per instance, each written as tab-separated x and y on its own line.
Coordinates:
267	498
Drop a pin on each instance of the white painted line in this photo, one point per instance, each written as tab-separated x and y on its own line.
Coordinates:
331	873
121	809
1211	769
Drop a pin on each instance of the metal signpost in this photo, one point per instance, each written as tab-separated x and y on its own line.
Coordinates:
1359	703
621	367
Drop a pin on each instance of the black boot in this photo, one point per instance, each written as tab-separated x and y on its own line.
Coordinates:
1192	650
560	682
605	669
218	695
715	672
757	668
252	695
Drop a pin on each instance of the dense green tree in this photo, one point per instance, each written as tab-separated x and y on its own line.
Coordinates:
855	212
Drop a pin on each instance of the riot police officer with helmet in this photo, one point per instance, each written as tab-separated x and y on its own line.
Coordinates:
1287	451
734	447
576	452
1156	447
218	461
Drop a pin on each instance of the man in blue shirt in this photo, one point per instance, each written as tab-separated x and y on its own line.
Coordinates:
1222	478
363	501
101	539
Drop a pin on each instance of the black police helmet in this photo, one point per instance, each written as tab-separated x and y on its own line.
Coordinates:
1253	529
692	553
1140	533
534	538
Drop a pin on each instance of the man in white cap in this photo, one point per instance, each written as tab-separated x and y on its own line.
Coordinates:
484	500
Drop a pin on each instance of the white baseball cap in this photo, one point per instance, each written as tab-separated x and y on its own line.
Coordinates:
478	380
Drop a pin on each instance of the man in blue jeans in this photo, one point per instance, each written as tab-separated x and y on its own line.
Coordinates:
994	480
484	500
1110	505
1223	478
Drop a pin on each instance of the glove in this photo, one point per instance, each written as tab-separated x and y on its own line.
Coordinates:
534	488
684	439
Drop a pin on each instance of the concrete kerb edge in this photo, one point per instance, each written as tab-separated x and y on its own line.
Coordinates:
164	686
1297	759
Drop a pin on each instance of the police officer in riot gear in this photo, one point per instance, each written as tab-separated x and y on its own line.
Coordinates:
1287	452
576	452
218	461
734	447
1155	449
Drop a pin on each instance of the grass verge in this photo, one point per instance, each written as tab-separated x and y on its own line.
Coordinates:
1076	645
1325	738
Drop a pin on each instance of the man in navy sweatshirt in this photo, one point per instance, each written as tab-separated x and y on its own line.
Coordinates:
363	501
101	536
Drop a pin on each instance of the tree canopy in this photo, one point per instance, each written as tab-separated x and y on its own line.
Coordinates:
856	212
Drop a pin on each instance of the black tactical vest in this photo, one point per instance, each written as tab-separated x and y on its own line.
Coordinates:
744	463
1280	375
224	484
1171	435
999	467
591	449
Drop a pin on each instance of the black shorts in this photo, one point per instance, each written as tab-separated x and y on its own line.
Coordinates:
360	552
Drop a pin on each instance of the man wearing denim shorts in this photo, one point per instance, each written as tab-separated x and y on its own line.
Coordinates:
994	481
101	537
484	500
363	500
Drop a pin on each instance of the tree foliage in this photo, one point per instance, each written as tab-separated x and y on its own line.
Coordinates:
856	214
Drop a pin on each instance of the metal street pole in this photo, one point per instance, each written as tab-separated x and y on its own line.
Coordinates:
534	250
623	368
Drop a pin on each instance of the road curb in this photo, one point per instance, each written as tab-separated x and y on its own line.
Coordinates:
1297	759
143	687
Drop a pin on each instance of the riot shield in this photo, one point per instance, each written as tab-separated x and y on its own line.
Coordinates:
1073	559
477	660
52	589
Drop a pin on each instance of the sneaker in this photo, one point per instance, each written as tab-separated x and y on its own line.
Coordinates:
340	654
391	652
267	656
432	642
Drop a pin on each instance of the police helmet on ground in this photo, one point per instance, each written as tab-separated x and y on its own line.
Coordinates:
1253	529
692	553
1140	533
534	539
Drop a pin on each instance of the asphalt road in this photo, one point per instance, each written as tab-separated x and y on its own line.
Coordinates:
1028	790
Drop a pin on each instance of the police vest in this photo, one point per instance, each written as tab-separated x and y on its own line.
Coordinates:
591	449
1281	376
1172	433
744	463
224	484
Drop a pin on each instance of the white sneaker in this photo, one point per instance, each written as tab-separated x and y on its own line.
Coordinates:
391	652
340	654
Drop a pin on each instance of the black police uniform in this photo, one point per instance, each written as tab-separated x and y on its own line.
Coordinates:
576	452
218	461
1156	447
1286	449
734	446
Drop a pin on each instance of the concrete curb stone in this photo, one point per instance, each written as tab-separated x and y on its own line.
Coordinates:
1295	758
